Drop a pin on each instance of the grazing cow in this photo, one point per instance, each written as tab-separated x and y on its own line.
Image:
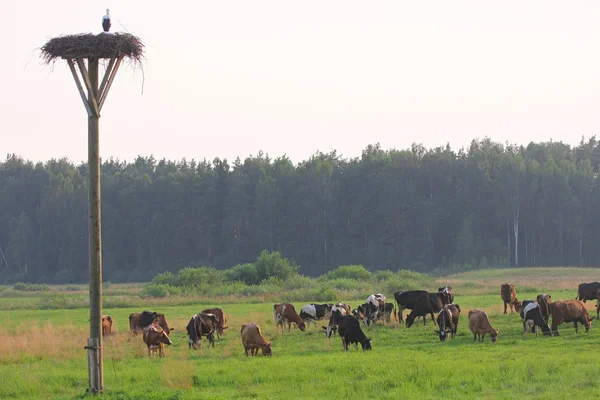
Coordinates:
155	338
338	311
532	317
374	308
569	311
138	321
449	292
479	324
448	321
543	300
388	311
107	322
406	300
201	324
221	320
350	332
253	340
285	313
315	312
427	303
509	296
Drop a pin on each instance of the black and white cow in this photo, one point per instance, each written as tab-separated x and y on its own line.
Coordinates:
532	318
373	308
428	303
406	300
200	325
315	312
350	332
337	313
448	321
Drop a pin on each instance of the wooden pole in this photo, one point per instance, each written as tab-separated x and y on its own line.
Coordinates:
95	243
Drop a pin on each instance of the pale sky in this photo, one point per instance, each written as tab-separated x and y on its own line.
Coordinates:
230	78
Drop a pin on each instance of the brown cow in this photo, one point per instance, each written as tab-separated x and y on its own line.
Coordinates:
221	320
479	324
285	313
135	326
253	340
569	311
107	322
155	338
509	296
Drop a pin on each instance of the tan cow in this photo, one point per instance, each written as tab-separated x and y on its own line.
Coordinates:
479	324
253	340
155	338
107	322
135	326
509	296
569	311
285	313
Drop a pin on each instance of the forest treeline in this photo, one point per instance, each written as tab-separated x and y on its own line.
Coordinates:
490	204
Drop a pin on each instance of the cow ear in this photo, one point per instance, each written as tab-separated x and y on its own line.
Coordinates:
171	329
497	330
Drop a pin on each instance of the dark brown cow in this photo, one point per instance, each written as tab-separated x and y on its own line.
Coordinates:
569	311
285	313
200	325
509	296
253	340
107	322
448	321
543	301
135	327
221	320
479	324
155	338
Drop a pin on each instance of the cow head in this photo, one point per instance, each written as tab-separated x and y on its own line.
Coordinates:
409	320
266	348
366	344
301	325
518	305
494	334
164	338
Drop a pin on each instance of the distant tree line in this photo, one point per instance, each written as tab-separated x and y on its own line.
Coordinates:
418	208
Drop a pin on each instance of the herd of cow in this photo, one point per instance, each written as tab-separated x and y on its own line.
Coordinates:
347	322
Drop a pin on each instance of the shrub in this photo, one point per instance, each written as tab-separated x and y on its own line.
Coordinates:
31	287
324	293
157	290
383	275
298	281
245	273
344	284
272	264
356	272
198	276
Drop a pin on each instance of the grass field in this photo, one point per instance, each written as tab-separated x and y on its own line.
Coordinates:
42	355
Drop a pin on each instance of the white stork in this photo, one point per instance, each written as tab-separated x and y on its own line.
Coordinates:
106	21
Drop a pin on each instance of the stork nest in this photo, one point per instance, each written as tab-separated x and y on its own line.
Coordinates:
87	45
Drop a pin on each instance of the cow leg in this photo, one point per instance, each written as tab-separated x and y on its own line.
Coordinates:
504	307
400	318
575	323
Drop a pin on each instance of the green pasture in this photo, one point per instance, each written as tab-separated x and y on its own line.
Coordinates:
42	356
